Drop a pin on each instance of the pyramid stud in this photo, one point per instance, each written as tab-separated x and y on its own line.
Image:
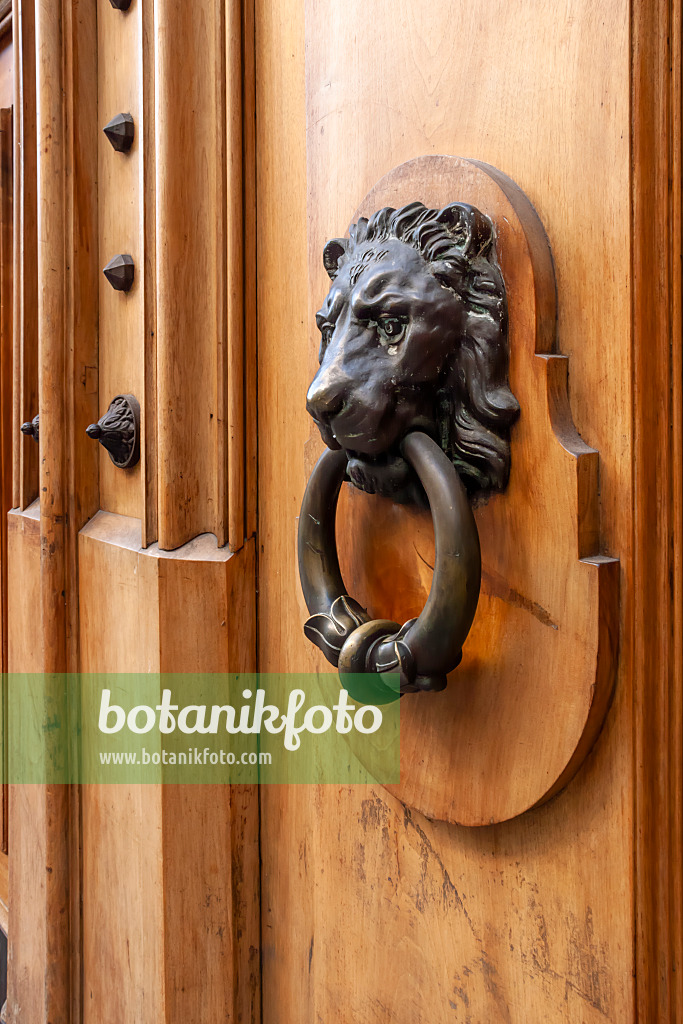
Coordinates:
120	272
120	131
120	5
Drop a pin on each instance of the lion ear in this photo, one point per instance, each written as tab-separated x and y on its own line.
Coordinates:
332	253
471	230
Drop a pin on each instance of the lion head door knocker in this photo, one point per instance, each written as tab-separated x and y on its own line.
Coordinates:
413	403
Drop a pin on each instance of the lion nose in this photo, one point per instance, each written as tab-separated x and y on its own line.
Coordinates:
325	397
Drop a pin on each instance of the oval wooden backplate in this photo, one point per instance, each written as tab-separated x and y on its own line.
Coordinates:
525	706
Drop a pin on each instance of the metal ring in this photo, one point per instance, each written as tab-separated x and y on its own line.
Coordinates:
424	650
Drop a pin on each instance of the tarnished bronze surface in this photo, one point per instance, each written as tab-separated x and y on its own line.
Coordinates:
423	650
32	428
414	337
412	399
118	430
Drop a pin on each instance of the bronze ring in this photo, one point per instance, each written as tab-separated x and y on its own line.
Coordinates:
424	650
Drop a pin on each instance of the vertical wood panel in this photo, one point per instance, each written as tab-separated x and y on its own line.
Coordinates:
187	161
120	230
120	633
25	650
25	407
532	920
235	267
7	400
657	606
5	19
6	431
178	199
6	360
28	996
52	227
45	891
215	827
204	262
51	910
67	306
250	266
81	272
191	289
187	947
149	444
80	467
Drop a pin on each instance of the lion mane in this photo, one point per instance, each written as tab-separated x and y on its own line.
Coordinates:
475	407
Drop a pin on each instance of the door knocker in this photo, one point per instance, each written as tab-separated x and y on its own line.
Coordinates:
439	325
413	403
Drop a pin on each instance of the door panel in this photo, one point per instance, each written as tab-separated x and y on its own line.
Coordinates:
160	588
155	868
131	901
388	915
25	314
120	229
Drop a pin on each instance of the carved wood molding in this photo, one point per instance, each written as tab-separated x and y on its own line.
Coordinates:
5	17
56	330
25	300
203	340
60	330
655	615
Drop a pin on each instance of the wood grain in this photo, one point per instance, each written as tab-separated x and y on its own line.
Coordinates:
6	71
4	892
88	206
290	817
657	597
27	992
146	131
52	314
123	337
85	63
178	337
532	919
51	803
5	18
371	911
6	431
6	361
234	368
23	558
521	673
185	611
192	359
6	365
45	886
80	457
250	266
25	465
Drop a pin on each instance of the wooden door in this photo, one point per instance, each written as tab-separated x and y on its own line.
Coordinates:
260	127
570	912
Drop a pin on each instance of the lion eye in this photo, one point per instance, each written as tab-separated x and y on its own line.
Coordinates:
391	329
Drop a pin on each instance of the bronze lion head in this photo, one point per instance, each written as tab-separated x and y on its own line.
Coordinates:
414	337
